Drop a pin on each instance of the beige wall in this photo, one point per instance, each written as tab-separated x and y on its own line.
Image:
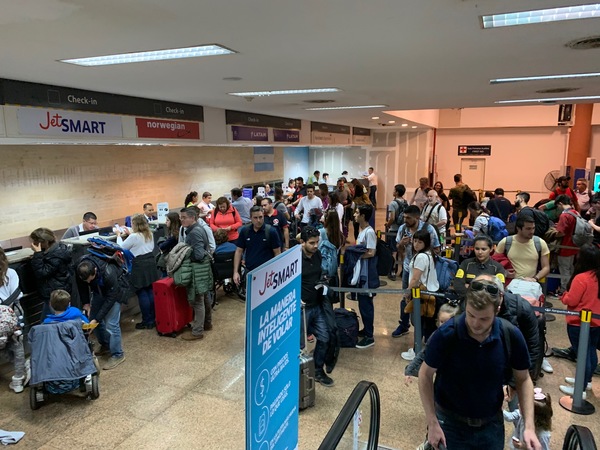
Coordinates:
52	186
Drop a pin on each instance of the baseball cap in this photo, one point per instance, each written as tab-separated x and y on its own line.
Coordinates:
559	179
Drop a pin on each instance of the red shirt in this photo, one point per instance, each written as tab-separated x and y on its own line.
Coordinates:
566	226
583	294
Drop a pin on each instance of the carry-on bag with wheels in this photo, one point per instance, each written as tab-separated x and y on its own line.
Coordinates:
173	312
307	370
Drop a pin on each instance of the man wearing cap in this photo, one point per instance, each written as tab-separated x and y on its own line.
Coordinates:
562	188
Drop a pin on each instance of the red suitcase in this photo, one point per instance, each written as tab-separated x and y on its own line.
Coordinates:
173	312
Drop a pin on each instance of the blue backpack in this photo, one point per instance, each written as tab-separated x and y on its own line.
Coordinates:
496	229
329	256
446	270
111	252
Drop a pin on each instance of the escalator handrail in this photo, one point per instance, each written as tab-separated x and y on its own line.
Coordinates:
346	415
579	437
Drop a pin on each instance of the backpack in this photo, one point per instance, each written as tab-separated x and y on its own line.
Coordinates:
468	197
8	324
329	257
111	252
540	218
496	229
402	205
346	321
445	269
583	233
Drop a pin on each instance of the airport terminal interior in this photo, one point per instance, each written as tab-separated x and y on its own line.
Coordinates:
208	96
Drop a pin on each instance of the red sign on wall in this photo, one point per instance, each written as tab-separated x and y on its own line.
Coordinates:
167	129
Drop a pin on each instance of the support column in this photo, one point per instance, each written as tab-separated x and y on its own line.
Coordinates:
580	137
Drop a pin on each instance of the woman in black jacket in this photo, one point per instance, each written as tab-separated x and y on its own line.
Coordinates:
51	264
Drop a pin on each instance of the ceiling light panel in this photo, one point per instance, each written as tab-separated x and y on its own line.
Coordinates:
542	16
551	99
152	55
329	108
285	92
545	77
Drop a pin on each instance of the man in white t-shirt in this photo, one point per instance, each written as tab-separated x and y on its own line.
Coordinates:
311	201
434	213
373	180
368	238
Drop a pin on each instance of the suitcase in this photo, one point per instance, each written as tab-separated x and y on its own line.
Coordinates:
173	312
346	321
307	372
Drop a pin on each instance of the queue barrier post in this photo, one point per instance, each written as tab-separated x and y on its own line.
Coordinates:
576	403
342	296
416	295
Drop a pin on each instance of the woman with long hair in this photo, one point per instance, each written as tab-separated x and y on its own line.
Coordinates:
143	271
422	274
335	205
51	265
360	198
439	188
482	218
191	199
226	217
331	230
583	292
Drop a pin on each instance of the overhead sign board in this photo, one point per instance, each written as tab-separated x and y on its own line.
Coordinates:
261	120
249	134
474	150
54	122
167	129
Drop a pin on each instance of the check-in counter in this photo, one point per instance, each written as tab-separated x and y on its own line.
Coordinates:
79	244
19	260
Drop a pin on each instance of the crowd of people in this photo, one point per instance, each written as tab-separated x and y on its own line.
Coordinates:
484	338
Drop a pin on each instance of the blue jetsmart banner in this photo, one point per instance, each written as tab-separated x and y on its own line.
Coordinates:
272	349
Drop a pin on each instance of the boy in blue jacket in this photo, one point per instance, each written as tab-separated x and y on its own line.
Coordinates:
60	301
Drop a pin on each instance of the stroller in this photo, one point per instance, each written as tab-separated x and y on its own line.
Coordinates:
62	360
222	268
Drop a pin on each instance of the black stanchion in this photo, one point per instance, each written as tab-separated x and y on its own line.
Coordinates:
576	403
416	295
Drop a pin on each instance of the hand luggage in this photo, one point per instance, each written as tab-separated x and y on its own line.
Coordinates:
307	371
347	325
173	312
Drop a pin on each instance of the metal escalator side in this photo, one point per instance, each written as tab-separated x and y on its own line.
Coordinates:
353	413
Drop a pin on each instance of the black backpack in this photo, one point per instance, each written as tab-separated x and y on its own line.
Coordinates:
385	259
402	205
347	327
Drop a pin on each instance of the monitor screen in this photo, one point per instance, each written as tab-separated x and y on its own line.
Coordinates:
86	232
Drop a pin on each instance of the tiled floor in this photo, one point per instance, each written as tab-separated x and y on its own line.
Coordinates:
173	394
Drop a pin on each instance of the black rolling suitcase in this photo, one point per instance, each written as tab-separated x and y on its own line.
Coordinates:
307	371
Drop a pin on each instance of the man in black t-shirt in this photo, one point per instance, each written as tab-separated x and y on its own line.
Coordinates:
499	206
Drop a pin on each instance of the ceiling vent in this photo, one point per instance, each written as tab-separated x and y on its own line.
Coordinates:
318	102
557	90
585	43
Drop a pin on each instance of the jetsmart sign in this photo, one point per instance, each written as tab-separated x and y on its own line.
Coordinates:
53	122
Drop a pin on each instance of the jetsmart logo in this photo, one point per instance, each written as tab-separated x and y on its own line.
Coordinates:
71	125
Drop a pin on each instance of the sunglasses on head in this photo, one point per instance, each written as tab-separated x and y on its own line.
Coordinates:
479	286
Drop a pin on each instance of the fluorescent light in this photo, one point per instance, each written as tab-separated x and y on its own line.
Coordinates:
414	126
551	99
152	55
284	92
391	121
541	16
545	77
329	108
375	117
404	124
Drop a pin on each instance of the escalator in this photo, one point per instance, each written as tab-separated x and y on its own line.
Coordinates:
357	425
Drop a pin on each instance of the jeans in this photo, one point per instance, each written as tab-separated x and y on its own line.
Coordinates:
202	313
565	268
316	325
460	436
367	312
146	300
109	331
404	317
373	196
591	360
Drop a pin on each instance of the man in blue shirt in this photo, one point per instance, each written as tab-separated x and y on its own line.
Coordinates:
259	244
472	360
241	204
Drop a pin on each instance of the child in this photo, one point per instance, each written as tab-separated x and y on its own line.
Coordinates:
60	301
446	312
542	416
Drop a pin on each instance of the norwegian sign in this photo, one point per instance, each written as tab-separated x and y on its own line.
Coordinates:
272	349
167	129
249	133
54	122
480	150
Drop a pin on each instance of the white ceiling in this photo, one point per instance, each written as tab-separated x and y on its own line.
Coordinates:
408	54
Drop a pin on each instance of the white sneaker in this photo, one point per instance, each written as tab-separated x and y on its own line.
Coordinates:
17	384
569	390
409	355
546	367
571	380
